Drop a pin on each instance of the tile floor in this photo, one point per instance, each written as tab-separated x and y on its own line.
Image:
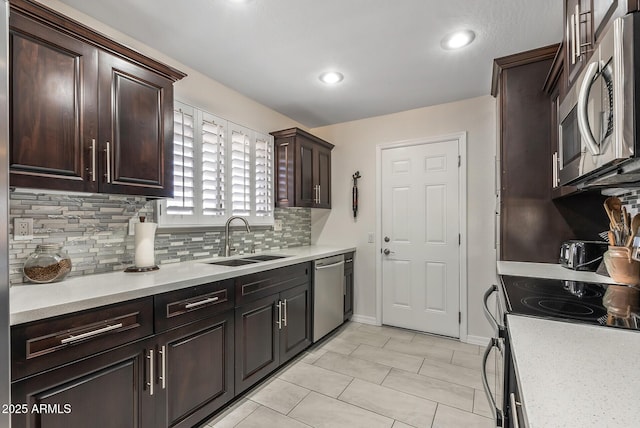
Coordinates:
368	376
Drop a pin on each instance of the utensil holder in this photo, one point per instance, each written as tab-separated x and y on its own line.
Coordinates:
621	267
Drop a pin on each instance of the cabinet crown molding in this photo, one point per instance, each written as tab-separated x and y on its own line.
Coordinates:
45	15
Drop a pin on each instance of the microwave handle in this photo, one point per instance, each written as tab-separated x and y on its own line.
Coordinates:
583	118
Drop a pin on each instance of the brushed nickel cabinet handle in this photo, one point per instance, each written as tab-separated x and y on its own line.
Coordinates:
279	322
577	21
284	319
88	334
150	383
93	159
201	302
514	404
572	37
319	195
163	365
108	153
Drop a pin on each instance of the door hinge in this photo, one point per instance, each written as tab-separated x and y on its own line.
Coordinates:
459	160
459	317
459	239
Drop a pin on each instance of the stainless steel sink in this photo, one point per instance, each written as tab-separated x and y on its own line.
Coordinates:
234	262
264	257
257	258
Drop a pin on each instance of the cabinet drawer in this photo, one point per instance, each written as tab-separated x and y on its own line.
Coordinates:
262	284
180	307
48	343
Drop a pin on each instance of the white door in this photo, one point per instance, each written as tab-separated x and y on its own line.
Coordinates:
420	230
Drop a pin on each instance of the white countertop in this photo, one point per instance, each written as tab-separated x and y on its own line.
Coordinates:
576	375
550	271
30	302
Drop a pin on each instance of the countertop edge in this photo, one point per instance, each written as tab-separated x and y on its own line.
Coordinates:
150	283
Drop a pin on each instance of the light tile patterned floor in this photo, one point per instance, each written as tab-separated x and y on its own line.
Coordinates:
368	376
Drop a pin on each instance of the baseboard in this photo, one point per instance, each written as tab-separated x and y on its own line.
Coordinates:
364	319
477	340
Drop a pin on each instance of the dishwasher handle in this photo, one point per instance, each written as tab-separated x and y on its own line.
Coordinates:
329	266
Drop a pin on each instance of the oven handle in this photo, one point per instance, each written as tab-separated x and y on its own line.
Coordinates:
583	117
493	343
485	306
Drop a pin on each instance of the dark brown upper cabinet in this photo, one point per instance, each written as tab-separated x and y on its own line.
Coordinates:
86	114
303	169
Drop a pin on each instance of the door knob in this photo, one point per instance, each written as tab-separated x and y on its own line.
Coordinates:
386	239
387	251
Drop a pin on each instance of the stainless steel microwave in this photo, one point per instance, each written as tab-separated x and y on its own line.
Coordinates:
598	132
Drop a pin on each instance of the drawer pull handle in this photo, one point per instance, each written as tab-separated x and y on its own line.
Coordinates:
90	333
201	302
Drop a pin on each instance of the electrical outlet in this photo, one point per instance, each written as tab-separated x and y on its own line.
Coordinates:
277	225
132	225
22	229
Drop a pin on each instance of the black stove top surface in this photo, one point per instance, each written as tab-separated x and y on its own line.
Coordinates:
586	302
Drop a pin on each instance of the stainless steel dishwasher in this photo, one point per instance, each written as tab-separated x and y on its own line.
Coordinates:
328	292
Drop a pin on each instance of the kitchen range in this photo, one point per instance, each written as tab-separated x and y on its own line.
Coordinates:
535	298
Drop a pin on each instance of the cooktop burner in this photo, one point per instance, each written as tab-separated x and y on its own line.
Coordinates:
587	302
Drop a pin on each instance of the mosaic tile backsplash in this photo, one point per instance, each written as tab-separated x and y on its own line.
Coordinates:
94	231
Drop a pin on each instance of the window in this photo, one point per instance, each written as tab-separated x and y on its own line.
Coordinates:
220	169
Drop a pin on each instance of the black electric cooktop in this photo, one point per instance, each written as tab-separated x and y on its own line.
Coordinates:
586	302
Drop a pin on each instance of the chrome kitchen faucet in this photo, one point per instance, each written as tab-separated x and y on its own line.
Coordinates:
227	246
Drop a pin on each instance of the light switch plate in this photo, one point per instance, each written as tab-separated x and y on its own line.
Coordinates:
277	225
22	229
371	237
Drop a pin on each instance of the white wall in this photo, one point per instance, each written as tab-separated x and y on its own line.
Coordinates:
195	89
356	150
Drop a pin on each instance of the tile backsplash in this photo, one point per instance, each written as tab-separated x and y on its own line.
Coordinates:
94	231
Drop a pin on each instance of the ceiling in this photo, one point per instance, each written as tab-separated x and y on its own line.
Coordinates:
388	50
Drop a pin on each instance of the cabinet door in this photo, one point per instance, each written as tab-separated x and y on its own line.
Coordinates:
53	108
305	176
136	129
257	341
285	184
295	335
323	176
196	369
107	390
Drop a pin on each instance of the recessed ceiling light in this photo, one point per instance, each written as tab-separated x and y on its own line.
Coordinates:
331	77
458	39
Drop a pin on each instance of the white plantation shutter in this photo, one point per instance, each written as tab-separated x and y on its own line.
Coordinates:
240	170
213	165
263	175
220	170
183	162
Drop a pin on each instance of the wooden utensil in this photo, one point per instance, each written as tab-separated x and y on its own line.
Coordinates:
635	224
613	207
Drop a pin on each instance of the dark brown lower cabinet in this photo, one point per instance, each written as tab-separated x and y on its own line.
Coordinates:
168	361
269	332
109	390
348	286
195	370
